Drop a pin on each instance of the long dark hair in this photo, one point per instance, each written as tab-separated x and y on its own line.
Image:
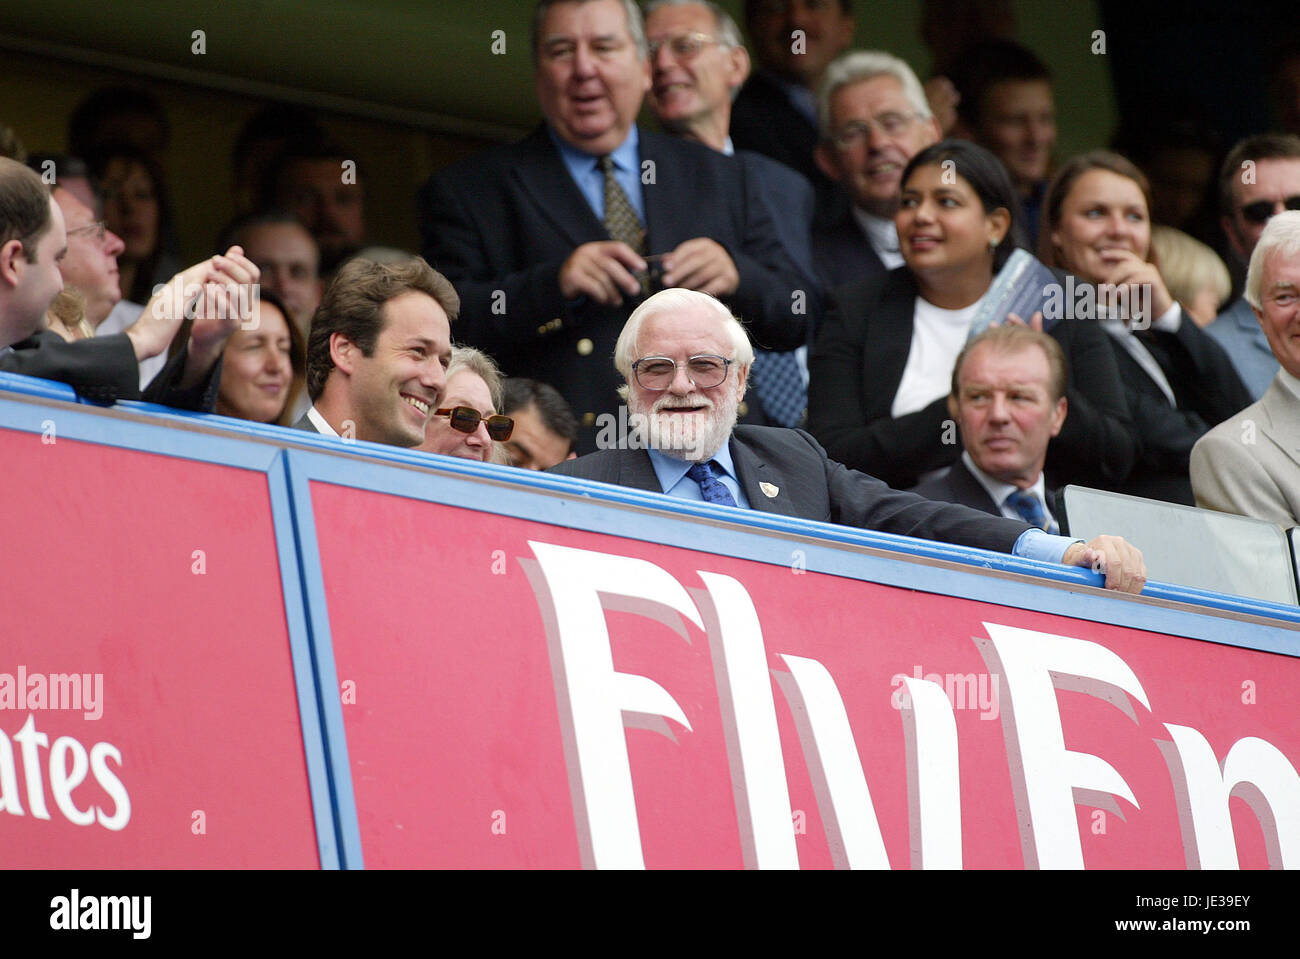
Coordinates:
986	175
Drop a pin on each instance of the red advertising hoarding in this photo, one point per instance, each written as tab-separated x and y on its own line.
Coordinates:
148	715
519	694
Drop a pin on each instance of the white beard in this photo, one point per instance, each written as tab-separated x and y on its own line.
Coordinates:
693	437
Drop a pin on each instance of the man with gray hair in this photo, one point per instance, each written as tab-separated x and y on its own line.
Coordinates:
552	241
874	118
1250	464
685	360
697	63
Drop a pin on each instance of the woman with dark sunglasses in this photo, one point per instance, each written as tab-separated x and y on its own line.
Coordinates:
466	423
1178	381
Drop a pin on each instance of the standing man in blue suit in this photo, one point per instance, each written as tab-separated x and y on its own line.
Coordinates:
547	240
698	63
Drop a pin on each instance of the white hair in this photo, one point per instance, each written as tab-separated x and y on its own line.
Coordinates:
674	300
481	365
858	65
1280	237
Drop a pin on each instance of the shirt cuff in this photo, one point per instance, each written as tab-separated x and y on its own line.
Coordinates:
1169	321
1042	546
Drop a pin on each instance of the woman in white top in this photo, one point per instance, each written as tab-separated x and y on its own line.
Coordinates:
882	367
1178	381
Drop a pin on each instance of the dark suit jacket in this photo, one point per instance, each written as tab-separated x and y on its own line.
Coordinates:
958	484
810	486
764	120
1208	391
305	423
858	364
104	369
502	224
843	254
790	202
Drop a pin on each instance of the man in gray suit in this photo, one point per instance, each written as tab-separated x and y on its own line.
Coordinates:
378	352
1250	464
685	361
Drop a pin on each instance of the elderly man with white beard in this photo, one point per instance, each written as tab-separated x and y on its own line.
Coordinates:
685	360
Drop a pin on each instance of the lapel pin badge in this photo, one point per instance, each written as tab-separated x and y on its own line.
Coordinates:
769	490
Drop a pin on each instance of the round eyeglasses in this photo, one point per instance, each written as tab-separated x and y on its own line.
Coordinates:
656	373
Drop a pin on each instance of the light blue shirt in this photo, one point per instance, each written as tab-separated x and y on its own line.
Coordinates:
586	174
674	481
1237	330
1044	547
671	473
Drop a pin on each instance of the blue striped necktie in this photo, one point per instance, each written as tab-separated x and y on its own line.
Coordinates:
1030	509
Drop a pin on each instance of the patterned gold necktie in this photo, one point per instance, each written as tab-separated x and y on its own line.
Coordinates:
621	220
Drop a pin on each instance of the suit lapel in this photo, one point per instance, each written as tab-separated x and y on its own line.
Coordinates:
1283	411
637	472
968	490
540	172
758	479
888	338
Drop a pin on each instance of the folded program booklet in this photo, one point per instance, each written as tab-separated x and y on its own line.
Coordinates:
1023	286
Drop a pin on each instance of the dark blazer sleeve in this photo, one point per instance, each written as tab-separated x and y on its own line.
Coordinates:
854	374
1205	383
857	499
102	368
765	297
789	200
165	389
468	231
1098	444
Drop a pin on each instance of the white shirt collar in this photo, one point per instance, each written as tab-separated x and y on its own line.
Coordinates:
999	491
882	235
321	424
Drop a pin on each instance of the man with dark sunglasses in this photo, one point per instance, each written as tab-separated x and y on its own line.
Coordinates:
1260	178
467	424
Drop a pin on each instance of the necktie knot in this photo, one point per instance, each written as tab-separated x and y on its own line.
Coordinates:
712	490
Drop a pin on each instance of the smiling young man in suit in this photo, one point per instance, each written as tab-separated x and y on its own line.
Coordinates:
1008	400
378	352
685	361
547	240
